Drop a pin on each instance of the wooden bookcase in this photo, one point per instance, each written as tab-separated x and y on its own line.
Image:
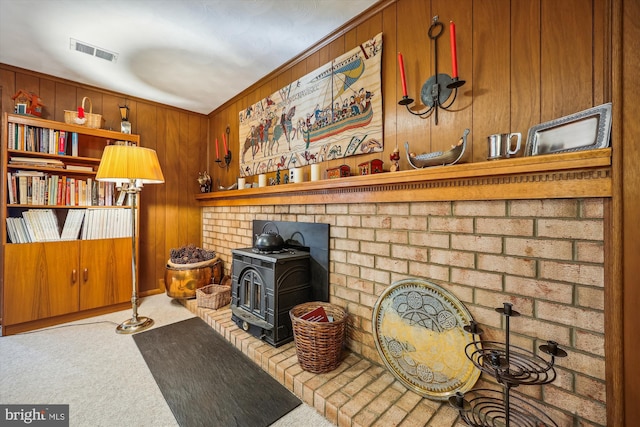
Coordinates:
47	282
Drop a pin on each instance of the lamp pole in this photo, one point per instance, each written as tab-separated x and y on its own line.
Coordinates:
136	323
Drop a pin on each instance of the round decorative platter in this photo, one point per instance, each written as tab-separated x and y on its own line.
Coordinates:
418	330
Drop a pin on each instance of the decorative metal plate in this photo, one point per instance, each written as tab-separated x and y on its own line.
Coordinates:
418	330
586	130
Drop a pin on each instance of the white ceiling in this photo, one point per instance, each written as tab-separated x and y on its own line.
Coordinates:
191	54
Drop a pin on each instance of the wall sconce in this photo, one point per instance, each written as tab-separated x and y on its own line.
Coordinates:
226	158
437	89
125	125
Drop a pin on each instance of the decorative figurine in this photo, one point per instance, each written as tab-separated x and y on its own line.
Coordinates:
339	172
371	167
395	160
205	182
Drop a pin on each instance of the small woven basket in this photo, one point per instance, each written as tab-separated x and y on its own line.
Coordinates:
213	296
91	120
318	344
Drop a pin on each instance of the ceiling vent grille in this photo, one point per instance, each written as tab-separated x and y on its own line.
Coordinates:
83	47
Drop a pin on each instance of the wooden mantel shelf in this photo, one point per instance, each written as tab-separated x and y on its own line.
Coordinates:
567	175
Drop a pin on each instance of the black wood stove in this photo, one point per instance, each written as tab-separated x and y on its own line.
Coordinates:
267	284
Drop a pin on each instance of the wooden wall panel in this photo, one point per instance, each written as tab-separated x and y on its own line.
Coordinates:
8	85
390	79
66	98
413	20
47	91
151	202
159	245
525	66
629	229
566	57
491	74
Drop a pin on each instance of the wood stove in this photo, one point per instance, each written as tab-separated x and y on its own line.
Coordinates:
267	284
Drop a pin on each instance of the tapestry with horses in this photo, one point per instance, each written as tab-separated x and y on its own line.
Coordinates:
332	112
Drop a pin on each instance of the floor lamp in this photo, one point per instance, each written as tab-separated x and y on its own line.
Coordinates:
130	167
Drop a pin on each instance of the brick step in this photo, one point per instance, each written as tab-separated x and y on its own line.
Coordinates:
358	393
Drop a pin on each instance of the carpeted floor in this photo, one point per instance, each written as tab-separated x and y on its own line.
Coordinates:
207	381
100	374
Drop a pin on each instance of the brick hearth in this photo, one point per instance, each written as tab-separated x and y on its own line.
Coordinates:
356	394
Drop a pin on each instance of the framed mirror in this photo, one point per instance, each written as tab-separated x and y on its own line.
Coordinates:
587	130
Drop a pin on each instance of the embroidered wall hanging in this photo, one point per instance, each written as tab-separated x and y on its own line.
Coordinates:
332	112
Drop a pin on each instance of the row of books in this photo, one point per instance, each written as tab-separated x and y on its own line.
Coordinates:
42	140
27	187
41	225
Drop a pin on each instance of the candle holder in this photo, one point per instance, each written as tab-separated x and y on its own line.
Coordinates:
438	88
511	366
227	156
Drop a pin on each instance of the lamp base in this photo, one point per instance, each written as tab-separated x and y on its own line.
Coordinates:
133	325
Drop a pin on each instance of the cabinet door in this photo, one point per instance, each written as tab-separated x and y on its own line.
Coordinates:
105	272
40	280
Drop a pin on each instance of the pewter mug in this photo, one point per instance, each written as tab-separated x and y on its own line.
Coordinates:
500	145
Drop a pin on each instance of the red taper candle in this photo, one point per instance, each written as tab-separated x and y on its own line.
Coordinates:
454	57
402	76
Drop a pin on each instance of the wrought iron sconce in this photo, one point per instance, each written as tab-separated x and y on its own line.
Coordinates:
437	90
226	159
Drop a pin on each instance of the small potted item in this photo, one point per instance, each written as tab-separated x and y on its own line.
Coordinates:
190	268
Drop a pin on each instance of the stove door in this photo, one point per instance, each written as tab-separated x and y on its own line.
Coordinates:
252	305
251	294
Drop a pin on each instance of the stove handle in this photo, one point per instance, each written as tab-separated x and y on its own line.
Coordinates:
251	318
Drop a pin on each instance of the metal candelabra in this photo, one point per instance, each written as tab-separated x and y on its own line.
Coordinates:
437	89
511	366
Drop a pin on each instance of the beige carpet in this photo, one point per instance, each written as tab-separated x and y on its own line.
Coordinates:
99	373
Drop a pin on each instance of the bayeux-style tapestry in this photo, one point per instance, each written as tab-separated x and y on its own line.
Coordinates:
332	112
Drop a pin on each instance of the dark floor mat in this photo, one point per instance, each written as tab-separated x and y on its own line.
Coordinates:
206	381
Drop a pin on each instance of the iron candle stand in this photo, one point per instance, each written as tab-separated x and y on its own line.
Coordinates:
511	366
227	155
437	89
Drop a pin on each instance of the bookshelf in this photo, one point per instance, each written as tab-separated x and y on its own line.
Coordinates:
66	237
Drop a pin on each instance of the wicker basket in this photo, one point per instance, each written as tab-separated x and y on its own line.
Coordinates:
91	120
213	296
318	344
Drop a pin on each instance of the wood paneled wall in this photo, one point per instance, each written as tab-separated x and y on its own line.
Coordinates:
524	62
169	216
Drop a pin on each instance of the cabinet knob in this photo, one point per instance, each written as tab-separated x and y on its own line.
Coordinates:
74	276
85	274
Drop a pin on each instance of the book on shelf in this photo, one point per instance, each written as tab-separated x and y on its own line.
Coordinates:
17	230
42	225
106	224
11	188
74	144
62	143
35	161
72	224
79	168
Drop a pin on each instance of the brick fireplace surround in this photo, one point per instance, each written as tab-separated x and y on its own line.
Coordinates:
546	257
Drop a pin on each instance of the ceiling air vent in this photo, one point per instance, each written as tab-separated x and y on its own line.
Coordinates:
83	47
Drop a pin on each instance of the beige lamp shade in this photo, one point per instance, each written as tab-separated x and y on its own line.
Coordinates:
122	163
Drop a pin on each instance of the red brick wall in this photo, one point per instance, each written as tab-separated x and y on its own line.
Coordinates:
546	257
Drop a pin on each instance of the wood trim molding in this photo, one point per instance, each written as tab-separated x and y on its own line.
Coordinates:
567	175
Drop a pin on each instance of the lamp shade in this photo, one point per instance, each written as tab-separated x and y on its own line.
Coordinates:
121	163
